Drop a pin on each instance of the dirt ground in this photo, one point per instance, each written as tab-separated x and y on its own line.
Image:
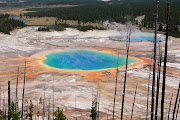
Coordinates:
82	85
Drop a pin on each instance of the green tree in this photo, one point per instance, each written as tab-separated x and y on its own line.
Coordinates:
94	110
13	114
30	114
174	31
40	100
160	27
8	24
59	115
2	115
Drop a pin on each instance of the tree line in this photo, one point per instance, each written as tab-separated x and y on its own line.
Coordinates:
16	3
8	24
120	13
62	26
115	12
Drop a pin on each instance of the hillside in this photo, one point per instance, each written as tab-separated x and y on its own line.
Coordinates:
120	13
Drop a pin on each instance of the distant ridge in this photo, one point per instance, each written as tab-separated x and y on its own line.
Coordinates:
16	3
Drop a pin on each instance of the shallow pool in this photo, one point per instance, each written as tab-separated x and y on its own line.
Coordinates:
85	60
144	36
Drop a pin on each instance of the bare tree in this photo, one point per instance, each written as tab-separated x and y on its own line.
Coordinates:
148	88
108	113
98	100
53	99
158	81
35	111
38	109
133	102
154	62
75	108
23	90
4	107
3	102
9	98
43	113
115	89
49	106
17	89
177	109
165	61
129	30
170	106
0	98
176	102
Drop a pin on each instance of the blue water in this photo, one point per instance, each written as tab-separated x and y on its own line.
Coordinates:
18	18
85	60
145	38
141	36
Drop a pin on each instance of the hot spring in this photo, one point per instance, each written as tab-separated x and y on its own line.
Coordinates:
141	36
85	60
144	36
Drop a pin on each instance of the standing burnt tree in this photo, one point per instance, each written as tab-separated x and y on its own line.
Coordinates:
147	106
129	30
165	61
9	99
115	87
154	63
23	89
16	102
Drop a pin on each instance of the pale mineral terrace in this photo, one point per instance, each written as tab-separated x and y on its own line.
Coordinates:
31	43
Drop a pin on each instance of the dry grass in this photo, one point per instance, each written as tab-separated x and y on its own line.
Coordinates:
41	20
18	11
33	21
52	6
74	22
45	20
15	11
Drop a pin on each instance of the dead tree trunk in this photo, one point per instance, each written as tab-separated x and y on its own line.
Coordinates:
9	99
154	63
98	102
4	106
43	113
133	103
170	106
176	102
177	109
165	61
38	109
158	81
17	89
75	108
115	87
53	99
157	97
125	77
23	90
49	106
0	98
35	111
108	112
148	88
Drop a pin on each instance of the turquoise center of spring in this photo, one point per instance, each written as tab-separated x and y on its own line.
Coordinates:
85	60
